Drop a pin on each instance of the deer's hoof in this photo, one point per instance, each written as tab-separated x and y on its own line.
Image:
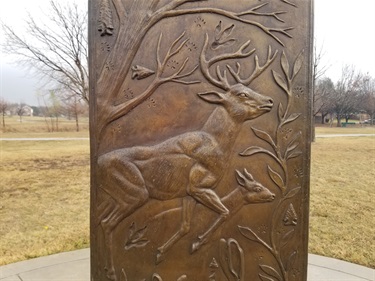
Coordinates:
196	246
159	257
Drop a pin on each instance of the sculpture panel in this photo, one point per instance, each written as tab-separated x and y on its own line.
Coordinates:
200	116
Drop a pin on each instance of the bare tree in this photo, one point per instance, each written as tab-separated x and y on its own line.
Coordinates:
55	46
348	98
51	110
21	110
74	107
4	106
368	101
319	69
323	94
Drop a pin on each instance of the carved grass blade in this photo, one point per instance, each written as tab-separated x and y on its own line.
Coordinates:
270	271
280	81
264	136
293	192
276	178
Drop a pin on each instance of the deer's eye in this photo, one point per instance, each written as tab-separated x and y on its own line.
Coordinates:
242	95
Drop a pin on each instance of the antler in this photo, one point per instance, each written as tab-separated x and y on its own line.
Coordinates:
257	70
222	80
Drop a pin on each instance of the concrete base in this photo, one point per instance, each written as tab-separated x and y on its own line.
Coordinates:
75	266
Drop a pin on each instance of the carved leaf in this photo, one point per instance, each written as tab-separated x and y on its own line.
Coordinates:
285	64
270	271
293	192
292	146
265	278
294	154
289	235
291	118
280	81
276	178
291	260
264	136
281	111
248	233
253	150
298	64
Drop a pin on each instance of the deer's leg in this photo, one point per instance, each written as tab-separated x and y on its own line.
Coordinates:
200	187
123	181
188	204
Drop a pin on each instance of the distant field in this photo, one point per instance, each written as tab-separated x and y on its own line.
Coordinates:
13	124
44	196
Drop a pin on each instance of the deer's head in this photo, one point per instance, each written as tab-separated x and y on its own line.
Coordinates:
253	191
239	100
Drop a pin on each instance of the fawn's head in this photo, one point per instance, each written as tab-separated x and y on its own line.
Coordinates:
253	191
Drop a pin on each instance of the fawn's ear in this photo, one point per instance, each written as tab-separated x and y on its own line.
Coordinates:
248	175
212	97
240	178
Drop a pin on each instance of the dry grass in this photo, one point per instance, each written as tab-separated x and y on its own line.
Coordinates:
342	203
44	197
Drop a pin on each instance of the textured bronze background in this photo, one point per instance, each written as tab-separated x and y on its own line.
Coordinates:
200	128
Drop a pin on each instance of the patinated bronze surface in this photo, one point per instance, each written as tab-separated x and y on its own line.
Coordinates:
200	128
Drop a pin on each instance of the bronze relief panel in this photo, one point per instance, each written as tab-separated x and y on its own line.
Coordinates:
200	127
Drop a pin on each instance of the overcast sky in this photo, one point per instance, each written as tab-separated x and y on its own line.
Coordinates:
344	29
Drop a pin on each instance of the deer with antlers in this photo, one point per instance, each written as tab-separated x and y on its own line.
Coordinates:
187	166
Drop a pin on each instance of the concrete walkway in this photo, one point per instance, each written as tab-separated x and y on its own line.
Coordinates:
74	266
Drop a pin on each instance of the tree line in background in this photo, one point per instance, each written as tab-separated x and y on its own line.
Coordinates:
351	96
51	108
56	48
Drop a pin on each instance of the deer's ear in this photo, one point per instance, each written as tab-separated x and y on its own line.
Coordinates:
212	97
